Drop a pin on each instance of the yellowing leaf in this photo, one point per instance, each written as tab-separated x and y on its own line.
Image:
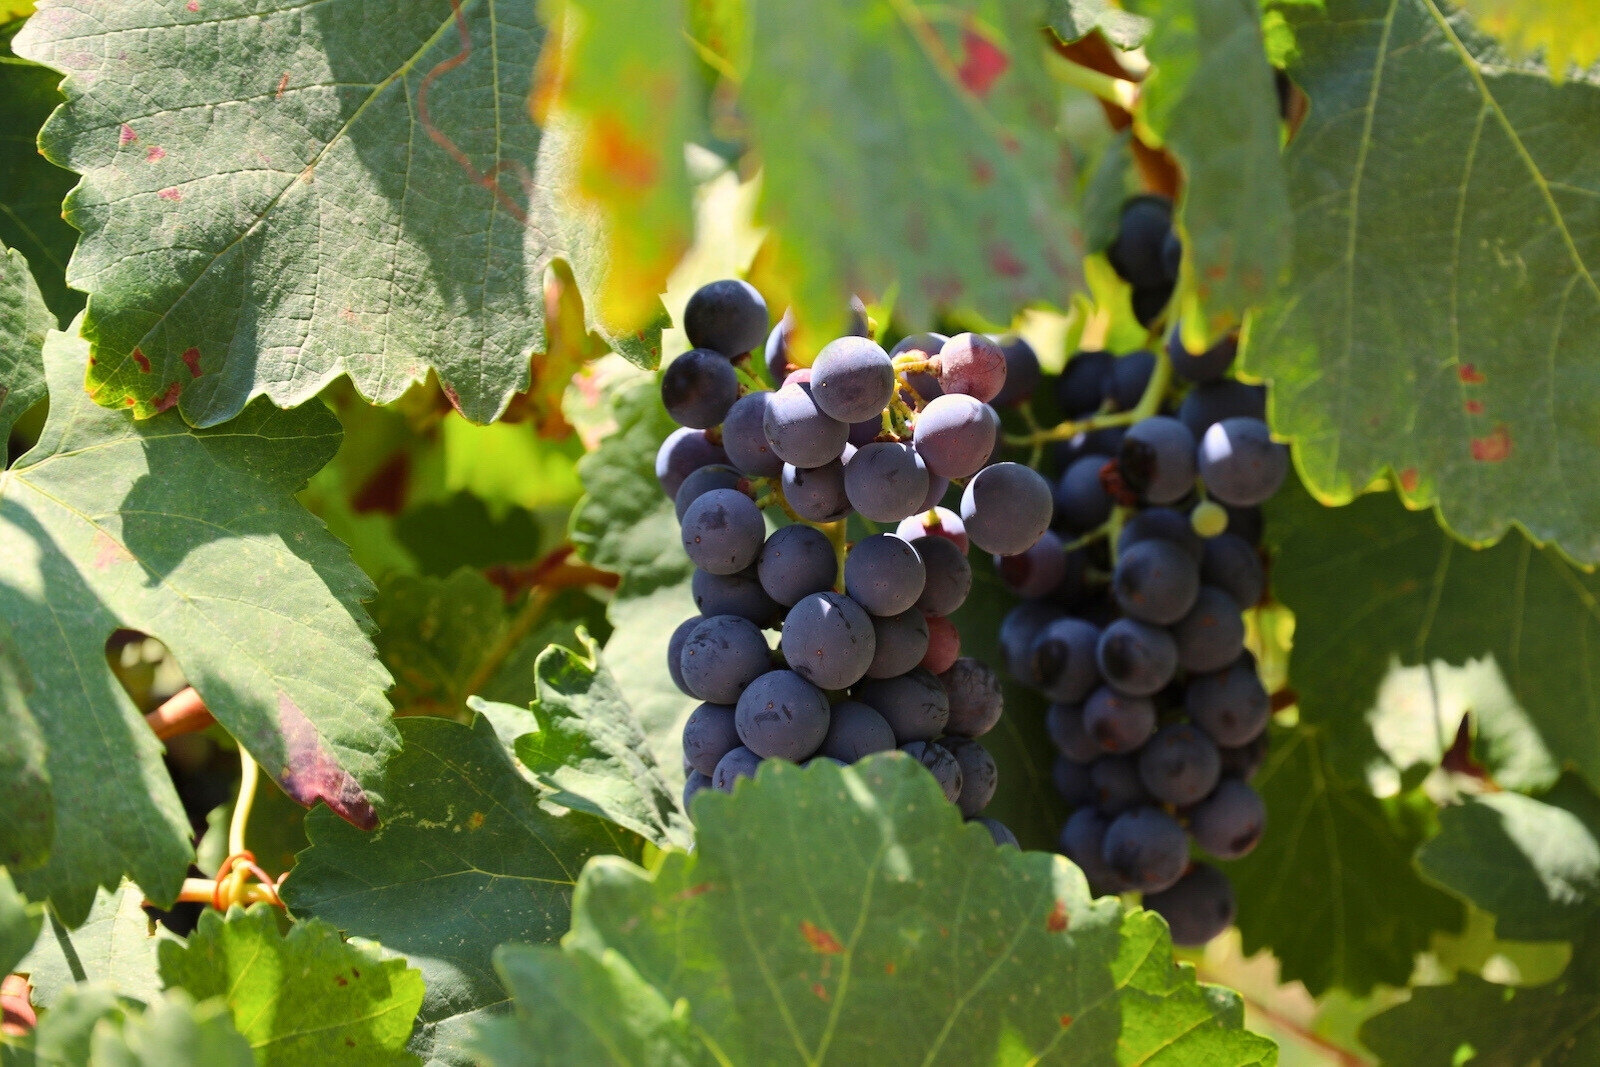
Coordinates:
1567	31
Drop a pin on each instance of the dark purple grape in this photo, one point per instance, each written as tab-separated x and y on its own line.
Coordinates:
1081	502
1118	723
999	831
1082	385
675	645
1062	658
1157	460
1156	581
922	384
944	523
740	763
777	351
1148	848
1018	629
708	735
816	494
1241	464
1072	781
852	379
1116	784
1072	739
1233	565
698	388
938	485
901	643
1129	376
972	364
883	574
702	481
1180	765
1230	705
944	644
955	434
734	594
1208	404
1022	372
974	695
886	481
1037	571
1198	907
681	454
1229	822
854	731
1166	524
1244	761
796	561
723	531
799	431
780	715
1137	658
1136	251
744	437
1208	366
728	316
979	775
866	431
721	656
1083	842
914	704
947	575
828	640
1006	508
1148	304
1211	636
693	784
941	763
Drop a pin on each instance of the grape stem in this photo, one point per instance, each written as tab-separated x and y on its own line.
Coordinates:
835	532
1118	91
748	378
1149	403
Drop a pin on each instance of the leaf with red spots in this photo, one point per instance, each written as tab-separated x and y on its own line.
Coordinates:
193	537
857	914
982	62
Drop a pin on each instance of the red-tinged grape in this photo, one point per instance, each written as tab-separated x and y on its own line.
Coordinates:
944	645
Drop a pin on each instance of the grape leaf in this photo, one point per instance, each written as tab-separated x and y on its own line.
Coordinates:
1210	98
1565	32
1534	863
172	1030
24	766
467	859
1331	889
956	95
294	996
917	941
1443	307
24	320
1374	587
116	945
193	537
1075	19
297	193
19	924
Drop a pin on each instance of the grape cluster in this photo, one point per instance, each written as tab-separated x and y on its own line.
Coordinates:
867	659
1137	638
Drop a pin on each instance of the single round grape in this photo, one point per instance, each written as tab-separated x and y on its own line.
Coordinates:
852	379
974	694
914	704
1243	761
1037	571
734	594
883	574
816	494
1137	658
723	531
947	576
780	715
1241	463
1006	508
744	437
866	431
1208	366
1017	630
1208	519
777	350
1083	842
1157	459
979	775
1165	524
702	481
740	763
935	522
1116	784
1136	251
1064	723
729	316
954	434
1148	848
938	485
1228	823
901	643
681	454
999	831
1072	781
1062	658
693	784
854	731
1197	907
698	388
886	481
972	364
946	771
1230	705
828	640
675	644
799	431
1156	581
922	384
796	561
723	655
1180	765
1022	372
1129	376
1118	723
944	644
1082	385
1233	565
1080	499
1246	524
1208	404
1148	304
708	735
1211	636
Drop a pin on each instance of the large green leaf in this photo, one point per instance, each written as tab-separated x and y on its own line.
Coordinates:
1443	308
909	144
1211	100
298	995
916	939
24	321
1331	889
116	945
296	193
1564	32
192	537
1375	588
173	1031
468	858
24	765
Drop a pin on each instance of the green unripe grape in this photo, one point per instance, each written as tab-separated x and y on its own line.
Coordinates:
1208	518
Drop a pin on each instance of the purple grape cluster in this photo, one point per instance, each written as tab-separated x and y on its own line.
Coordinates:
867	658
1157	711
